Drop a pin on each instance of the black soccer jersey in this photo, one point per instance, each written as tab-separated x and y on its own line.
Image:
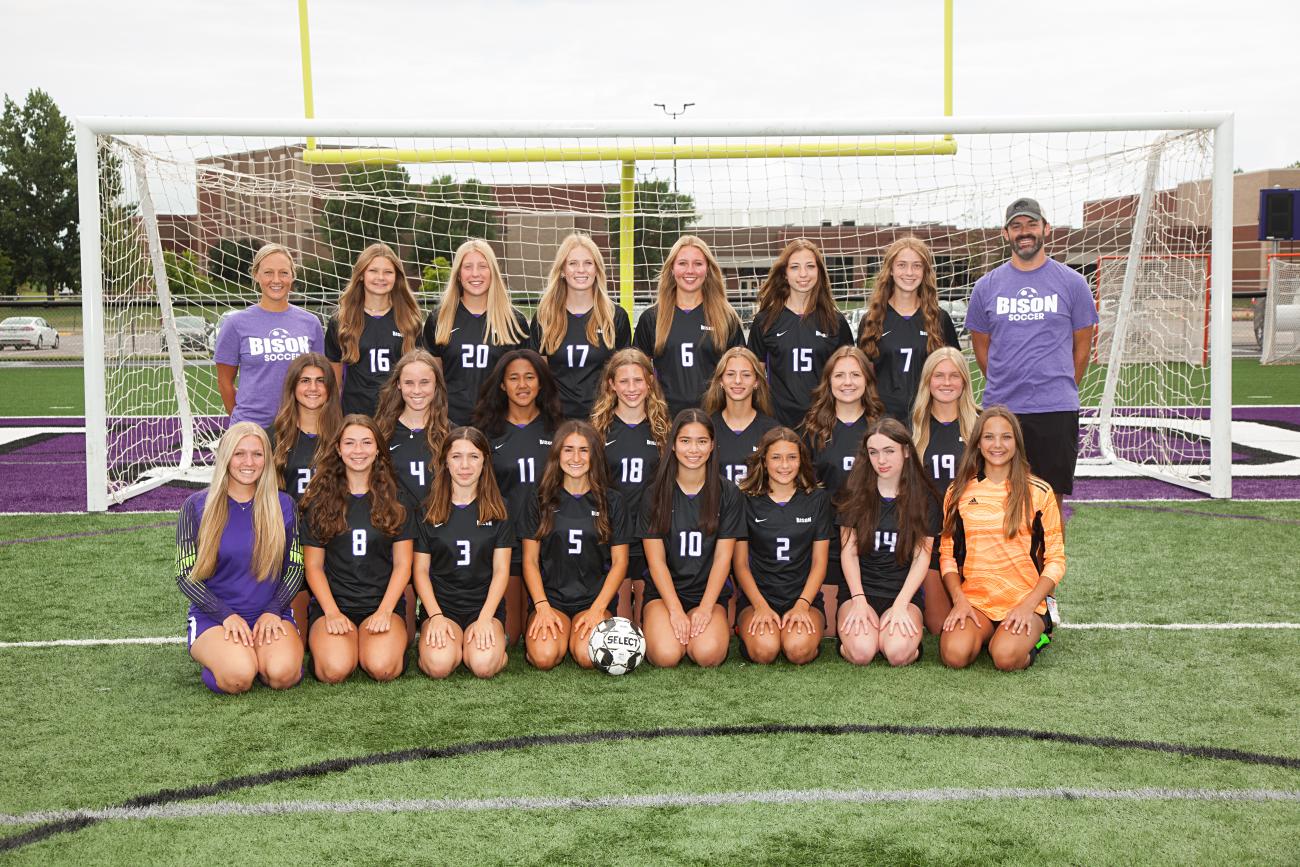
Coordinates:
380	348
518	459
632	456
572	561
833	462
902	355
300	465
689	358
794	349
734	447
882	574
577	365
943	452
460	556
413	465
781	540
358	561
466	358
688	550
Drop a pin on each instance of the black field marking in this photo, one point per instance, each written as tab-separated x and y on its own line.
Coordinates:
88	534
320	769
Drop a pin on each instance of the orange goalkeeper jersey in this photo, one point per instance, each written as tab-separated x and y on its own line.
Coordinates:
998	572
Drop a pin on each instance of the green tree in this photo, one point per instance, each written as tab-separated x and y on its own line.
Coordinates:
435	275
420	221
38	194
662	216
231	259
185	276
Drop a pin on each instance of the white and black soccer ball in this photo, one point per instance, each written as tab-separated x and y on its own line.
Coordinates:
616	645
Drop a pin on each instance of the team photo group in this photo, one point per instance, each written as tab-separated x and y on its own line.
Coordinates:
467	479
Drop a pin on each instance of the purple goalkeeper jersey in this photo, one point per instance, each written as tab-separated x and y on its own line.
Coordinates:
263	344
1030	318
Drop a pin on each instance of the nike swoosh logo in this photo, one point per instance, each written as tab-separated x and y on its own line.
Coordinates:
494	448
453	331
611	442
759	520
782	333
886	334
394	448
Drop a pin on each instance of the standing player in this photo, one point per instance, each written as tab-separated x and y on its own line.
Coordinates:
690	521
518	410
462	562
238	563
632	417
357	549
690	325
412	419
1002	552
257	344
796	328
577	328
889	516
781	565
843	404
575	540
740	408
378	321
942	420
892	336
1031	321
473	326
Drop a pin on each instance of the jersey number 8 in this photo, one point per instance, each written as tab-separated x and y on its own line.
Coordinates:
358	543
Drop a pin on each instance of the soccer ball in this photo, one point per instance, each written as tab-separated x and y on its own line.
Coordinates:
616	646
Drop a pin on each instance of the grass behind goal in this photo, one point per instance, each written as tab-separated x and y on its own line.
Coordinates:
93	727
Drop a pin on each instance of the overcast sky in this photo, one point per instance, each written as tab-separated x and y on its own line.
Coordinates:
580	60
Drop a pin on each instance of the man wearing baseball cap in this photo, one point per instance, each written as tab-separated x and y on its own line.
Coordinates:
1031	321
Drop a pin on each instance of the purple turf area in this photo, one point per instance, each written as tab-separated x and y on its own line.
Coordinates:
46	472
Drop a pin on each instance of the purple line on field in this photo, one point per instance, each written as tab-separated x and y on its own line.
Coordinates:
65	536
1172	511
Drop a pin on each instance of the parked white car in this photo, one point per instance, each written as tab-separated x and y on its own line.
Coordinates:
31	332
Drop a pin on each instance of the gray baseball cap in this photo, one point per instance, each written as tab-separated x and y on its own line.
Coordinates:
1024	208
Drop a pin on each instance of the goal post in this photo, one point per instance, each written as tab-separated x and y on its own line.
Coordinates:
1281	326
171	209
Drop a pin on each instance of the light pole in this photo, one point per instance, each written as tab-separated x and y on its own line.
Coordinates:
674	115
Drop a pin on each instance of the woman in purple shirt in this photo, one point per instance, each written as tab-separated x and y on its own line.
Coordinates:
239	564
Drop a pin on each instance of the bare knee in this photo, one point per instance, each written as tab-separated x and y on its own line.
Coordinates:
235	677
1009	658
900	655
486	665
664	654
708	652
382	668
802	650
330	670
283	673
762	649
545	655
957	653
438	666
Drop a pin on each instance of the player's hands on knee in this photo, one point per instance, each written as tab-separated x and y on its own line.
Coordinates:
765	620
700	618
898	621
438	633
482	633
859	616
268	628
798	619
957	617
681	625
585	621
237	630
380	621
546	624
338	624
1022	620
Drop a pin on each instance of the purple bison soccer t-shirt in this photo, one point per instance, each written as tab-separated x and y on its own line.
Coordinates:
1030	318
262	344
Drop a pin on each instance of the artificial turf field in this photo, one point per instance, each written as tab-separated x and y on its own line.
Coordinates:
1118	746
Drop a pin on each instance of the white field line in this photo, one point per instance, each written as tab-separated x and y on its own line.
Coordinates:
1168	627
719	799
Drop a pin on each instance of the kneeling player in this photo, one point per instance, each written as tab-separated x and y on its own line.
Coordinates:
781	565
575	543
239	564
1002	553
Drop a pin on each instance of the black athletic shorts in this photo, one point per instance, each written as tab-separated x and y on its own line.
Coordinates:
881	604
1047	622
461	618
315	612
780	606
569	611
1052	446
689	603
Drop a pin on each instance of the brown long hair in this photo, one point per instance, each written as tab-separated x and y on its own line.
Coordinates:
756	482
819	423
715	396
268	521
860	502
552	311
285	426
665	480
775	290
491	507
352	302
326	501
606	404
966	408
552	485
873	325
391	402
1020	504
718	312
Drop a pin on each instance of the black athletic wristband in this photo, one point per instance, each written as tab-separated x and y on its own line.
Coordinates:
807	602
540	604
856	595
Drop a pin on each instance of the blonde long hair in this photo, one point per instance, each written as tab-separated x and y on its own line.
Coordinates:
606	404
502	327
715	396
552	313
718	313
268	520
927	295
966	408
352	302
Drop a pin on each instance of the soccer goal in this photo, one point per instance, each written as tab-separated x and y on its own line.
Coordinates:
1281	330
172	210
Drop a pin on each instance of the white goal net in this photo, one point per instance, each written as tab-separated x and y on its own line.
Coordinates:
1281	325
180	209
